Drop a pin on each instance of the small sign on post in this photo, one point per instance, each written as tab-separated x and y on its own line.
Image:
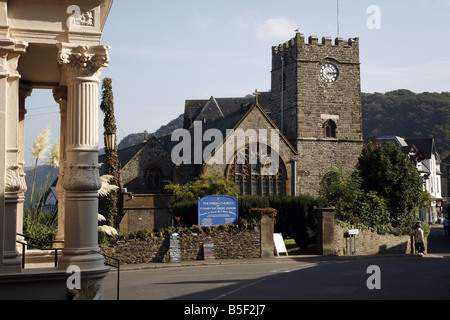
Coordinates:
352	234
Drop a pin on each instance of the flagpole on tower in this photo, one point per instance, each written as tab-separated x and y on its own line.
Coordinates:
338	31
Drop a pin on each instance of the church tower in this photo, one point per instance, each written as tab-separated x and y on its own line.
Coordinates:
316	103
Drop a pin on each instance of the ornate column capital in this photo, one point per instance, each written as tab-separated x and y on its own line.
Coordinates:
82	62
10	51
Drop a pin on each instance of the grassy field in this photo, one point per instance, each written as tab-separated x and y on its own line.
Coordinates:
291	246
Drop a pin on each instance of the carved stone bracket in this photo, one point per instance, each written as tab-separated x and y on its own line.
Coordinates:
10	52
60	95
15	179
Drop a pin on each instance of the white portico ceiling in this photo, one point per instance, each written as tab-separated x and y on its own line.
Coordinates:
45	23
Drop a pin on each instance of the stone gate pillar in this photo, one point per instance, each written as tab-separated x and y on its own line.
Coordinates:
81	66
325	231
12	177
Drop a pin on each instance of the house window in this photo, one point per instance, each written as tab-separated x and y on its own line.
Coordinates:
330	129
153	181
250	178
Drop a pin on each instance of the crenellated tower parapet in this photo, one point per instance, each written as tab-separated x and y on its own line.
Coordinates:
298	46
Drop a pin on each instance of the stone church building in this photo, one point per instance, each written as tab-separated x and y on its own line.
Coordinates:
314	103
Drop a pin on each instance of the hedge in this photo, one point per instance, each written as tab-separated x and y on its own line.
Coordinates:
294	217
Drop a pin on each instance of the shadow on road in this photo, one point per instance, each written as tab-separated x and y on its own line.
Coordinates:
438	243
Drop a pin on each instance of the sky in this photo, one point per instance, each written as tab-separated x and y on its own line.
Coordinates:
166	52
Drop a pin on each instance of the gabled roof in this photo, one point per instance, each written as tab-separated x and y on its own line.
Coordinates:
230	122
426	146
194	109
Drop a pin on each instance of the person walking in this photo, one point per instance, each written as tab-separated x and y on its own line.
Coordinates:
419	239
446	226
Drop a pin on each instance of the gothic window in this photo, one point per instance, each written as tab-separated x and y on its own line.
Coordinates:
330	129
251	178
153	181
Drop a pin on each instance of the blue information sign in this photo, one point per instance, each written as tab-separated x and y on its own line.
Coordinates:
217	210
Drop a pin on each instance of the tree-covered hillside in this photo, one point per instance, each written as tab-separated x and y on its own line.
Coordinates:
409	115
137	138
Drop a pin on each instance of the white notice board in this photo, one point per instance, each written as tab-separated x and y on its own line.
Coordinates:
278	241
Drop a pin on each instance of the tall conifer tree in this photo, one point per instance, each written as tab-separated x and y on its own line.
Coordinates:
112	161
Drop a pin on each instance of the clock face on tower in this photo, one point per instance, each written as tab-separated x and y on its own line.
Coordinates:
329	72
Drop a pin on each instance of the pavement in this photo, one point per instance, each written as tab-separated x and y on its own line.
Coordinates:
438	247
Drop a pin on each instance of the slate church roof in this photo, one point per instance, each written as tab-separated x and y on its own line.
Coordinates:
217	108
217	113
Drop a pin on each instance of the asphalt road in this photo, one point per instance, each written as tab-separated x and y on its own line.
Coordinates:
297	278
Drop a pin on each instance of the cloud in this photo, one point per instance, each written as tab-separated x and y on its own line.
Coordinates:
276	29
202	22
272	30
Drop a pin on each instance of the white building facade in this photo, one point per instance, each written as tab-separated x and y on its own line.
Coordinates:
55	45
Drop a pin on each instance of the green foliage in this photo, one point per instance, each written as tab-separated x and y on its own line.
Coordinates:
380	194
207	185
109	202
247	203
37	224
352	203
186	212
408	114
295	217
389	172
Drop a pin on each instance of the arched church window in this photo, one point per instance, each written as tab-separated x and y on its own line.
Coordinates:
153	181
250	175
330	129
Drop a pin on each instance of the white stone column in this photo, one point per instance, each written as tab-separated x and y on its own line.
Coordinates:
12	177
60	96
81	66
24	92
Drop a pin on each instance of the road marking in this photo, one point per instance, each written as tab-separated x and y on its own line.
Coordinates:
277	272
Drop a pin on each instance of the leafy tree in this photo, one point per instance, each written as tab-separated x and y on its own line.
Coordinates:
389	172
353	204
205	186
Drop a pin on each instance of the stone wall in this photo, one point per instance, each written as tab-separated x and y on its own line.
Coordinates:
231	243
334	239
370	243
